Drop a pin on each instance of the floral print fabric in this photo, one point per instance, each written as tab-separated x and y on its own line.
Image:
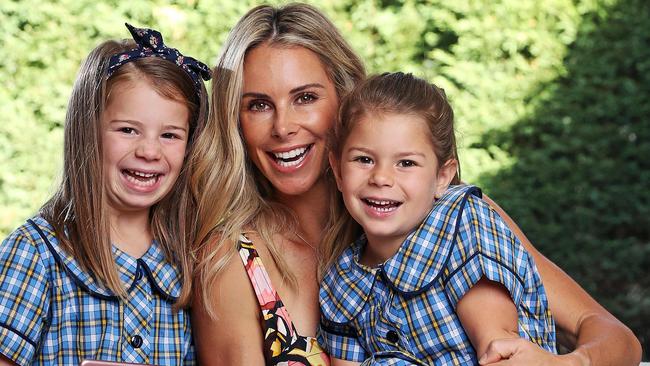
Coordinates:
283	346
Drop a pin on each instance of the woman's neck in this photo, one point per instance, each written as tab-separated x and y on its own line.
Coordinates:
310	209
131	232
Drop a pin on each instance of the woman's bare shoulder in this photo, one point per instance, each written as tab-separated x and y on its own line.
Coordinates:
226	316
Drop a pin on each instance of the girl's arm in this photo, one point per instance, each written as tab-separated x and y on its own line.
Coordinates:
597	336
235	336
487	313
4	361
339	362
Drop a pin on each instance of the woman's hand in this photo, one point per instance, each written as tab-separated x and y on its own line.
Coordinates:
596	336
518	351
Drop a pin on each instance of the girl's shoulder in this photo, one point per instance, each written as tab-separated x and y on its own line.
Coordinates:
32	240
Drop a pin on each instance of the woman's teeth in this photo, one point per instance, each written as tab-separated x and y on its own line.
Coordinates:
292	157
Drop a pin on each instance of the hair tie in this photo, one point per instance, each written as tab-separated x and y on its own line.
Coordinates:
150	43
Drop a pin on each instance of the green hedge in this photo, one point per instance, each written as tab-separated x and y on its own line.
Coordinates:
580	182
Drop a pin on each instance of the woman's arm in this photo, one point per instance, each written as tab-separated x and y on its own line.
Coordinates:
235	336
597	336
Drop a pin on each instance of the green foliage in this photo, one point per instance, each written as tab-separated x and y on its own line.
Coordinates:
550	97
579	186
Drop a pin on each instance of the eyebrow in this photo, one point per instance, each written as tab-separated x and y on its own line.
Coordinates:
139	124
292	91
255	95
402	154
306	86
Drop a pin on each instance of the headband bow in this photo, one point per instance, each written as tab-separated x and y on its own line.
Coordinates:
150	43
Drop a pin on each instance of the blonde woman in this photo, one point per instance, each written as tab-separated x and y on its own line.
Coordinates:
264	191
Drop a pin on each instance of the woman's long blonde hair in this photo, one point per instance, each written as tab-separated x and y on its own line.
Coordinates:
232	196
78	209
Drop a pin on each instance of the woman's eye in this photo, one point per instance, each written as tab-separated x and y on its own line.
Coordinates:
127	130
306	98
258	106
406	163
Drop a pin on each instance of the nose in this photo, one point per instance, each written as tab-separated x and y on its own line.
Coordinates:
149	149
284	124
381	176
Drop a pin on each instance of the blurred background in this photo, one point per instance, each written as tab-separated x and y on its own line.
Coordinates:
552	102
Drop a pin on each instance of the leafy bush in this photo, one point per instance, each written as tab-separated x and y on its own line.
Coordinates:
579	184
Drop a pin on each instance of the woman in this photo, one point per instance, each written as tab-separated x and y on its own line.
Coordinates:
262	172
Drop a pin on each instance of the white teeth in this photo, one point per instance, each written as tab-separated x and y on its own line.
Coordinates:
290	154
143	175
141	183
289	163
380	203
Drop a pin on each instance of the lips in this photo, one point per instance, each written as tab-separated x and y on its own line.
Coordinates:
291	158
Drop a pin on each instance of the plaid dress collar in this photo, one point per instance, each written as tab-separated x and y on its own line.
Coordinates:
164	277
411	271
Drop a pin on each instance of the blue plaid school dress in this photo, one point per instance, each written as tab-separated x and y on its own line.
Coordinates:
403	311
54	313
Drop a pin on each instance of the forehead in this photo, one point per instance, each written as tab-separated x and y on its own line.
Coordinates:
376	126
275	68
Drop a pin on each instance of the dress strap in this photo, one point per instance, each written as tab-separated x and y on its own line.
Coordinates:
266	294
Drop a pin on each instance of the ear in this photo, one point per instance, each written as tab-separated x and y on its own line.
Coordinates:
334	164
446	174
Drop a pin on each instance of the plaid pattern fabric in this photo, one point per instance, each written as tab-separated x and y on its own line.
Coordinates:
407	304
54	313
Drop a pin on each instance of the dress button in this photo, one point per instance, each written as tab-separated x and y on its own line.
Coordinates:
138	274
392	336
136	341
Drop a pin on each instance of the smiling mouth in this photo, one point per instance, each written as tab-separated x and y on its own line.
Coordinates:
292	157
141	179
382	205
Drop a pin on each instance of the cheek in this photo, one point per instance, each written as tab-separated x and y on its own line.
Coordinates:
322	119
252	135
351	178
177	156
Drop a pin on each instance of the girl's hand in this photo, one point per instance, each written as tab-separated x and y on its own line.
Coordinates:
518	351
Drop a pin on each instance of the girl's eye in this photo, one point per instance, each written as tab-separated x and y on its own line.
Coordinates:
169	135
258	106
306	98
127	130
363	159
406	163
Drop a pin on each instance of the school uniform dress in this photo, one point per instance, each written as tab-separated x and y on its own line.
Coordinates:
52	312
403	311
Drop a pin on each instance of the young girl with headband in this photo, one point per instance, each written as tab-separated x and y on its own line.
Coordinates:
102	272
437	274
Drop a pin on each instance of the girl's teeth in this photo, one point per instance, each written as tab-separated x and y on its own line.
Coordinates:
143	175
140	178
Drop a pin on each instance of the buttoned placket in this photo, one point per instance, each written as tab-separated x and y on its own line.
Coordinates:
138	318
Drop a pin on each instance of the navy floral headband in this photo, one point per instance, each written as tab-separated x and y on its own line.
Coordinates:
150	43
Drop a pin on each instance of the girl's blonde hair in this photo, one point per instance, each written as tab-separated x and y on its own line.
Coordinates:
232	195
78	209
389	93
